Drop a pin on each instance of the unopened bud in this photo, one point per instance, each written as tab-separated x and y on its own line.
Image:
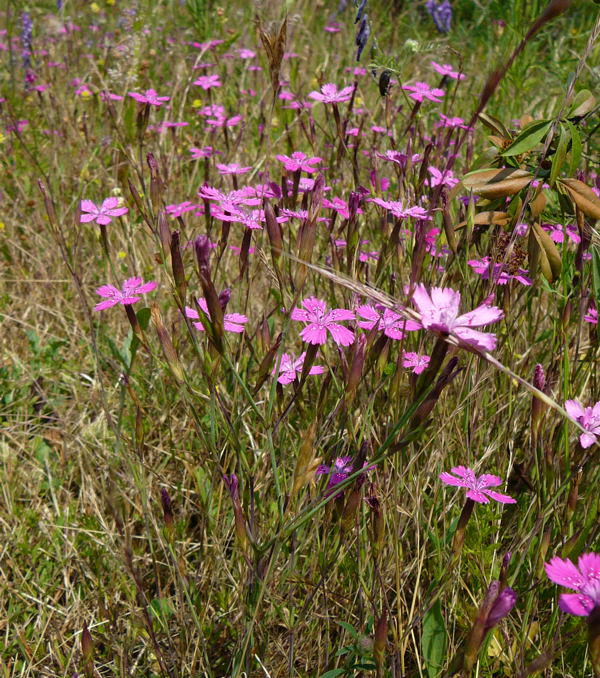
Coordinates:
165	500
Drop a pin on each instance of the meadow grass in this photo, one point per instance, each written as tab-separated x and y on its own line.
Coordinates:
168	506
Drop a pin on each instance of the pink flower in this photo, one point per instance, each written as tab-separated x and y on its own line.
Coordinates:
299	161
445	121
329	94
392	324
446	69
397	157
421	90
439	311
591	316
232	168
341	468
398	210
245	53
320	321
588	418
585	579
499	275
104	214
417	362
232	322
290	367
204	152
557	232
208	81
444	179
126	296
149	97
476	487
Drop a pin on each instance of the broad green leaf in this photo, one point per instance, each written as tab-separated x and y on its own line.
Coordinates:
433	640
333	673
561	151
528	138
596	274
576	148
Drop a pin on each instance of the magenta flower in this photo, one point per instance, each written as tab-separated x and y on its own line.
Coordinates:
392	324
558	231
499	275
477	488
232	322
447	70
421	90
439	312
399	211
418	363
149	97
341	468
204	152
446	121
329	94
299	161
441	179
232	168
208	81
591	316
128	295
320	321
290	367
585	579
104	214
588	418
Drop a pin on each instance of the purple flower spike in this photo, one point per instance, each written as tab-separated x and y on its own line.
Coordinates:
504	604
477	488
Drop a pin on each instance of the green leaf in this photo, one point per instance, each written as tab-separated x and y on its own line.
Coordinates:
433	640
143	316
561	151
531	135
333	673
576	148
348	627
596	274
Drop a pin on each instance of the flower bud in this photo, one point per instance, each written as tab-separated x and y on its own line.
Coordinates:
165	500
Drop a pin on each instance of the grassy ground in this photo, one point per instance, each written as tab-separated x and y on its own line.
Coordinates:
124	550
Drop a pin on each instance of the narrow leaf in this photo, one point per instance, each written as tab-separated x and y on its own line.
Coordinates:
576	148
596	274
528	138
433	640
561	151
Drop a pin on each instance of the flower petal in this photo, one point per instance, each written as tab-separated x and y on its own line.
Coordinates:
565	573
576	603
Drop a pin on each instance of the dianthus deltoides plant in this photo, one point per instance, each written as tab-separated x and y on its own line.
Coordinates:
300	340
